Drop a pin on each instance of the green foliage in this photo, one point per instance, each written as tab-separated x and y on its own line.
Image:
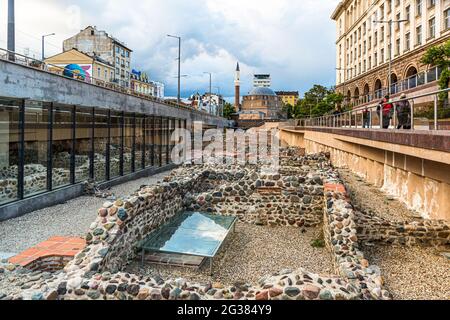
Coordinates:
288	110
439	56
228	110
318	101
318	243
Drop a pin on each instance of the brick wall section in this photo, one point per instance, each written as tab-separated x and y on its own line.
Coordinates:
50	255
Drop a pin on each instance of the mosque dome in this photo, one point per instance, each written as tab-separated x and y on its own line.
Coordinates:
260	91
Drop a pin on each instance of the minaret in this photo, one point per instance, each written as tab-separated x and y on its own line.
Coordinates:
237	89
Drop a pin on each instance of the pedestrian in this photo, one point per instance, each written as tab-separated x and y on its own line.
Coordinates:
385	110
403	110
367	117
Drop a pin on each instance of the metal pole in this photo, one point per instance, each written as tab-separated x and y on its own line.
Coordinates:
21	164
108	149
179	70
50	147
390	57
435	112
92	151
43	48
74	137
11	29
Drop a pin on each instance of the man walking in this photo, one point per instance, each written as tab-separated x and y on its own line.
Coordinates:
385	110
403	110
367	115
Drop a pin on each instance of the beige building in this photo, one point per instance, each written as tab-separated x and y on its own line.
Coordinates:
98	43
94	68
362	46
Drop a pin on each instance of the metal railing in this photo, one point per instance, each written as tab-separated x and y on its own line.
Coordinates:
47	67
412	82
424	112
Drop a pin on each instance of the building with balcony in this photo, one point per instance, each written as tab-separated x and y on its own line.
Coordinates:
140	83
94	68
99	43
211	103
363	46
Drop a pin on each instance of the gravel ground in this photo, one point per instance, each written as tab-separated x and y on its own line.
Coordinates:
253	252
72	218
413	273
409	272
371	199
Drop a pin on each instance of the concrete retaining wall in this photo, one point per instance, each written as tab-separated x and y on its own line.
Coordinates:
25	82
418	177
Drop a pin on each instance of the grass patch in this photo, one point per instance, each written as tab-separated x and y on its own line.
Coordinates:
318	243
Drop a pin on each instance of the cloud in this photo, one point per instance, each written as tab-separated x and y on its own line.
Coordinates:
292	40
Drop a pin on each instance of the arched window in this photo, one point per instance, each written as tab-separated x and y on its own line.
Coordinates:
411	76
394	80
378	89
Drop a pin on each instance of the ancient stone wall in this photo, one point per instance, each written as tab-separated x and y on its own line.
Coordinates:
423	233
95	274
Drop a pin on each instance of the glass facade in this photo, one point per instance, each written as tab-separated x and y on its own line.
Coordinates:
101	145
149	141
35	147
61	145
128	144
45	146
139	144
115	148
83	145
10	148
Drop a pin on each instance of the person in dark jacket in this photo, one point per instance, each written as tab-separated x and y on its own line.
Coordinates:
367	115
385	110
403	110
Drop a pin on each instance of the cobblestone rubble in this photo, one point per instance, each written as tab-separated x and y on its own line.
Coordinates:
95	273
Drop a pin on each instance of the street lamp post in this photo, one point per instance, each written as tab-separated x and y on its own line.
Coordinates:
179	66
344	83
11	30
390	22
43	44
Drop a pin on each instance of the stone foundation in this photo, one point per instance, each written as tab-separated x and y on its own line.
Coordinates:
296	197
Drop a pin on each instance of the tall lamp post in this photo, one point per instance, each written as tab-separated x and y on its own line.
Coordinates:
210	89
390	22
179	66
11	30
43	44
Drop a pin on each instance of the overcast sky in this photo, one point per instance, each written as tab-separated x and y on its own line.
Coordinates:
293	40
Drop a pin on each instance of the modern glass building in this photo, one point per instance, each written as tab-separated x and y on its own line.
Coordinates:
46	146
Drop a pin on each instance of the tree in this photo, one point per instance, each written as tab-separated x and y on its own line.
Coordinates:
288	110
439	56
318	101
228	110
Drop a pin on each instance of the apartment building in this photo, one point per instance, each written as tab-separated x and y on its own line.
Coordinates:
370	32
99	43
288	97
